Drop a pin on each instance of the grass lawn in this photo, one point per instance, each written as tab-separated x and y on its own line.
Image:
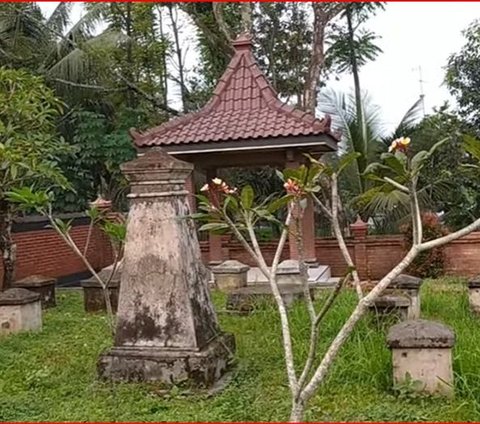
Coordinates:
51	376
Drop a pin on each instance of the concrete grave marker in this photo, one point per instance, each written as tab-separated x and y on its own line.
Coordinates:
422	352
20	310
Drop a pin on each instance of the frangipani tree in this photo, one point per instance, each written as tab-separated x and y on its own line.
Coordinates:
229	209
40	202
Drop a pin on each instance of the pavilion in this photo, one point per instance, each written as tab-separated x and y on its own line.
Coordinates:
244	124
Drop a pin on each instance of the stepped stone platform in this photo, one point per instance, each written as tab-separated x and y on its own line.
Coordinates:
258	290
244	300
317	277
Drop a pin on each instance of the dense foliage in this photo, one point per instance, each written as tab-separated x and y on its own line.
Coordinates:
94	168
463	75
29	146
120	66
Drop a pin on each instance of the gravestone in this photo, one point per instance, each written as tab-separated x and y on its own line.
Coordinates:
410	287
422	354
288	272
474	294
390	305
20	310
166	328
230	275
44	286
93	296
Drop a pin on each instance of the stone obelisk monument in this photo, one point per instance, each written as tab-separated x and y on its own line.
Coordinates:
166	329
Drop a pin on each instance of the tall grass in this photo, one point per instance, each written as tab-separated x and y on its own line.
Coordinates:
51	376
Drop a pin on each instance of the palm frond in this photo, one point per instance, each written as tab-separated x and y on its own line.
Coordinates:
341	107
408	122
60	17
21	29
84	28
387	202
76	66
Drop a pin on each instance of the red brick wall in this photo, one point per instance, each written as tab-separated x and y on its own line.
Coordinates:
42	251
381	254
462	257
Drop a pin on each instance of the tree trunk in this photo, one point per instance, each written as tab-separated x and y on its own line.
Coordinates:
317	60
178	51
7	246
353	62
362	160
297	412
128	30
323	13
246	14
164	60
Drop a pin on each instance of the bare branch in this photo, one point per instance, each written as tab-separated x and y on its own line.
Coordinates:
89	236
347	328
324	209
282	310
417	216
253	239
331	299
315	330
86	86
450	237
281	242
247	246
401	187
341	241
147	96
71	243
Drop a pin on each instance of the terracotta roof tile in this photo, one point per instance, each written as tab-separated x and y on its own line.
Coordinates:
243	106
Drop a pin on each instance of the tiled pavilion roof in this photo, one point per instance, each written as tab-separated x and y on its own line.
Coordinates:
243	106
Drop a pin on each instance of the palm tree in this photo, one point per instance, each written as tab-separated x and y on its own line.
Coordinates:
75	58
369	138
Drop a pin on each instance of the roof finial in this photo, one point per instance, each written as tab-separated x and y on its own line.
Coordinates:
243	41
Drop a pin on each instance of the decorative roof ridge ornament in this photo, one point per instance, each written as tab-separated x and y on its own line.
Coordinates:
243	42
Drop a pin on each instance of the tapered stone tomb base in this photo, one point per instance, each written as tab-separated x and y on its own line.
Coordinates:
166	328
176	366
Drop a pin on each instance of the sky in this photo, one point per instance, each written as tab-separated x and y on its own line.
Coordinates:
416	38
419	34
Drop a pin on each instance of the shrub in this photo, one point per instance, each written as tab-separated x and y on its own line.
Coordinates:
431	263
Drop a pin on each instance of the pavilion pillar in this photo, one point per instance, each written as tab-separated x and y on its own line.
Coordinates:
190	187
215	254
308	229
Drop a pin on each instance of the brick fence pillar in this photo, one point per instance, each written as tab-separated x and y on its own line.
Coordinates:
359	231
